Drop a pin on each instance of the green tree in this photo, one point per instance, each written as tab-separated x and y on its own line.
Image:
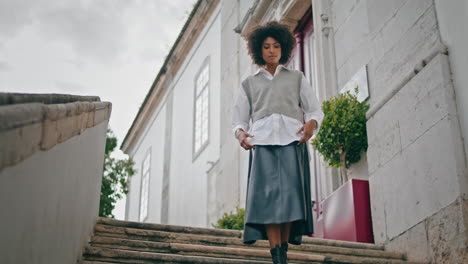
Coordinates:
115	177
342	136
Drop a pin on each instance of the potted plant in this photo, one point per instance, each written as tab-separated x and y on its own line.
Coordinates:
342	136
345	213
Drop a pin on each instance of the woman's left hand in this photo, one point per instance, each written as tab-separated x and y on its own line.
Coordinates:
308	130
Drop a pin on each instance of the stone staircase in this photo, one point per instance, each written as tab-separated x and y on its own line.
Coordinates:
116	241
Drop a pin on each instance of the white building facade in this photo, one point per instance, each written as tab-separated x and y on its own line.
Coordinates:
192	170
181	139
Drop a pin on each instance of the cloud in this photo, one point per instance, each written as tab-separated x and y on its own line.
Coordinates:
93	29
98	30
77	64
109	48
4	66
15	14
69	87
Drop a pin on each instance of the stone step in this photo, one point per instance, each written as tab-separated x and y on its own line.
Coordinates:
170	228
234	252
105	255
237	253
96	262
133	234
226	233
199	250
116	241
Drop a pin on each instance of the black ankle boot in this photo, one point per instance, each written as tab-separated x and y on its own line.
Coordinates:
284	252
276	255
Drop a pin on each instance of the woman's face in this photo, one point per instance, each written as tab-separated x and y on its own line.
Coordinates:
271	51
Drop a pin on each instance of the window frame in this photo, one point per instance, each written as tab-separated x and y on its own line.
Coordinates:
196	152
147	156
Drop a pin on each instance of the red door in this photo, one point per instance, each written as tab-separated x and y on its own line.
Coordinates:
302	59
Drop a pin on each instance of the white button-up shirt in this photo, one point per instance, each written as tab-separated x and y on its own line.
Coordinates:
276	129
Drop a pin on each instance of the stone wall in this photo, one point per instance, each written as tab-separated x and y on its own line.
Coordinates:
452	19
416	159
415	156
51	159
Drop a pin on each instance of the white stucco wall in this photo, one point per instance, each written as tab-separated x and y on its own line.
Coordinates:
188	182
187	177
50	201
153	140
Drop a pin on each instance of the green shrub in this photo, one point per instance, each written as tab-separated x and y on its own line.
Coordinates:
232	220
342	135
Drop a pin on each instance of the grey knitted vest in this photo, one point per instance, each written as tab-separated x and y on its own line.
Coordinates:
279	95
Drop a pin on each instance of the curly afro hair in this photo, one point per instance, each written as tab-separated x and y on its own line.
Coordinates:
275	30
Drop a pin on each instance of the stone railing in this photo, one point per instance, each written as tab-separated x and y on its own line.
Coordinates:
33	122
51	160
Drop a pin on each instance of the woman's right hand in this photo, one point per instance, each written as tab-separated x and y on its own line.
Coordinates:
243	138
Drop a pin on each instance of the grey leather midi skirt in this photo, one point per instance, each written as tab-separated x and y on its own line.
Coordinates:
278	191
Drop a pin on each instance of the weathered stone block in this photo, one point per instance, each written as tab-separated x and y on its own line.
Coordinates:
342	10
425	180
446	235
403	16
14	116
49	134
55	112
90	120
29	141
352	34
464	208
378	200
413	46
426	99
358	58
66	128
414	242
83	121
28	127
384	141
382	12
99	115
19	143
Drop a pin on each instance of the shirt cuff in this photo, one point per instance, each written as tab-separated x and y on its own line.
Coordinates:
243	127
315	116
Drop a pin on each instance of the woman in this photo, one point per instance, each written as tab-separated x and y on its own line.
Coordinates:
285	113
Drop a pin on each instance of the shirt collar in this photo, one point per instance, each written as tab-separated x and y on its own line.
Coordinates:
262	69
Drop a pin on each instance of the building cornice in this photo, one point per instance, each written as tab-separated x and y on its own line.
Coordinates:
262	11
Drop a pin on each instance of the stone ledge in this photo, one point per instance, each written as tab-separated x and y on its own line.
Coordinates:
29	123
23	98
19	115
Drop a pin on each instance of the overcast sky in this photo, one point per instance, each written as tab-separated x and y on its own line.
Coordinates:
109	48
